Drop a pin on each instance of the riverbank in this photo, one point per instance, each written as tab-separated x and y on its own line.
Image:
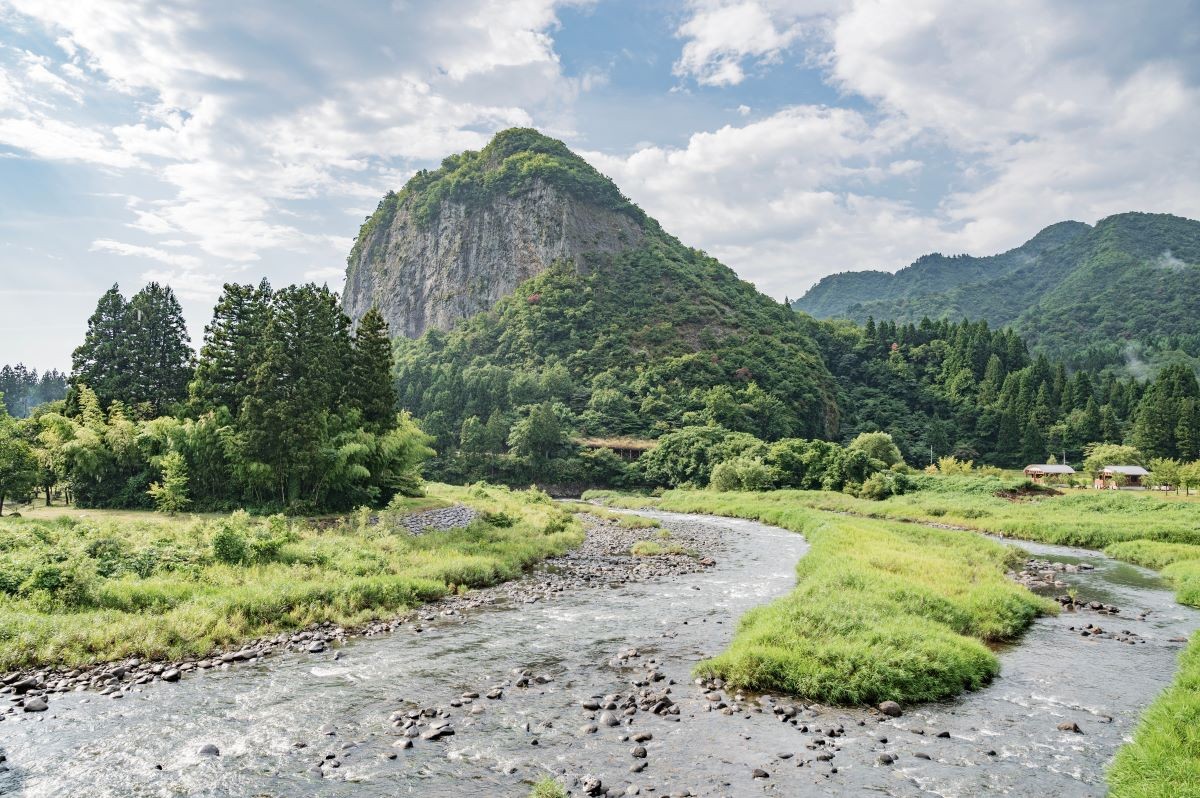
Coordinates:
351	721
1164	758
603	557
85	588
881	611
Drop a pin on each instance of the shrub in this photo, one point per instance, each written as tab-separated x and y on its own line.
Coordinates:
742	473
229	545
884	484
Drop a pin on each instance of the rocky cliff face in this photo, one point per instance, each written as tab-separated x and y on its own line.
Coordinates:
428	273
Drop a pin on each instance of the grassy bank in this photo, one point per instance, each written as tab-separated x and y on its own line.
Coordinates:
880	610
1155	531
1163	761
87	586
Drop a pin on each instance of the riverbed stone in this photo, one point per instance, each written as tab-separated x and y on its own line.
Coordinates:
208	749
891	709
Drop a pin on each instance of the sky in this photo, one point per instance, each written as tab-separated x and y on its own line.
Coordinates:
198	143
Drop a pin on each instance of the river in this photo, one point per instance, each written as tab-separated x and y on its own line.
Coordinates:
274	721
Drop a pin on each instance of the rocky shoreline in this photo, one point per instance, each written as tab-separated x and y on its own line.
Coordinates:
603	559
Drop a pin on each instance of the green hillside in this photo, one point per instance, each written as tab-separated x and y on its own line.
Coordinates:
632	344
1124	290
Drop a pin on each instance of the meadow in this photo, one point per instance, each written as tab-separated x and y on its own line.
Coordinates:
88	586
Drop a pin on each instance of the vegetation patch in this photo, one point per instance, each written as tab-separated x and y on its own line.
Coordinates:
1163	761
653	548
881	611
88	588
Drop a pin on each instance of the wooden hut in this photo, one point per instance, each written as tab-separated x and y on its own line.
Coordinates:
627	448
1044	472
1121	476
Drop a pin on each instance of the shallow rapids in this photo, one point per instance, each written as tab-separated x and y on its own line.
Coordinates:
276	721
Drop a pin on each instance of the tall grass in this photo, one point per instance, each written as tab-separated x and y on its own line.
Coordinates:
85	588
1163	761
880	610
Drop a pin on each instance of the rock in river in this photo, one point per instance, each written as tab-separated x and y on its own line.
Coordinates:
891	709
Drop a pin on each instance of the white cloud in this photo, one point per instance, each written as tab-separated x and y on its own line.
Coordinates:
139	251
723	35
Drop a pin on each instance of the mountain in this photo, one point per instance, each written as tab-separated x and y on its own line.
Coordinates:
457	239
1103	295
521	281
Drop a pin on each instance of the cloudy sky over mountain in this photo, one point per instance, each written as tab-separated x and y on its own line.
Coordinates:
199	143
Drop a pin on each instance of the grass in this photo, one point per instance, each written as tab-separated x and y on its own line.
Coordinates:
1163	761
623	520
652	548
880	610
91	586
1089	518
547	787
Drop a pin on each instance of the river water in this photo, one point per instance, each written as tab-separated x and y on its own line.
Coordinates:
273	721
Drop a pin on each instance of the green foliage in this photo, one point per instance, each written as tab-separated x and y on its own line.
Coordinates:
18	466
742	473
171	495
883	484
1117	294
688	455
880	611
547	787
1163	761
136	352
878	446
1098	456
22	389
107	585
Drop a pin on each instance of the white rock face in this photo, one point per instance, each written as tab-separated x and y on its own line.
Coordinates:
424	277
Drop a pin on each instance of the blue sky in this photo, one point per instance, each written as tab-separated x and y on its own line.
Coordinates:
198	143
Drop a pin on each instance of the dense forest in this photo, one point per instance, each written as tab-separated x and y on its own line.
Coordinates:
23	388
285	408
1123	294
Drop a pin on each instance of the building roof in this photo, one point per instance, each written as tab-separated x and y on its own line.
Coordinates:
1049	468
1127	470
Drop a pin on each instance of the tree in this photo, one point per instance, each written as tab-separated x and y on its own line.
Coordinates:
878	445
158	351
1033	444
102	360
371	385
231	343
538	436
298	380
1165	472
1098	455
171	494
18	467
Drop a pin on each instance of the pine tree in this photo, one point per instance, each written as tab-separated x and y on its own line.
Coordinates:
299	379
159	354
1110	425
102	361
1092	428
371	383
231	341
1187	433
1008	438
1033	444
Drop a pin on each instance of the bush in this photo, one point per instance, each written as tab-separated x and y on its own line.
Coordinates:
884	484
742	473
229	545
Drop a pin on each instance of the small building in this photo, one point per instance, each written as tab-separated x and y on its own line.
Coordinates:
628	449
1044	472
1113	477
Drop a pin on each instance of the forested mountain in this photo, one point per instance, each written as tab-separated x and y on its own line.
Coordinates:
1124	290
626	332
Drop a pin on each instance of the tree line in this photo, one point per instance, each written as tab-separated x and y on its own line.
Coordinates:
23	388
285	407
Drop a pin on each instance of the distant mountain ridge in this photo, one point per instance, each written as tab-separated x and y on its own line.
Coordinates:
1089	294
